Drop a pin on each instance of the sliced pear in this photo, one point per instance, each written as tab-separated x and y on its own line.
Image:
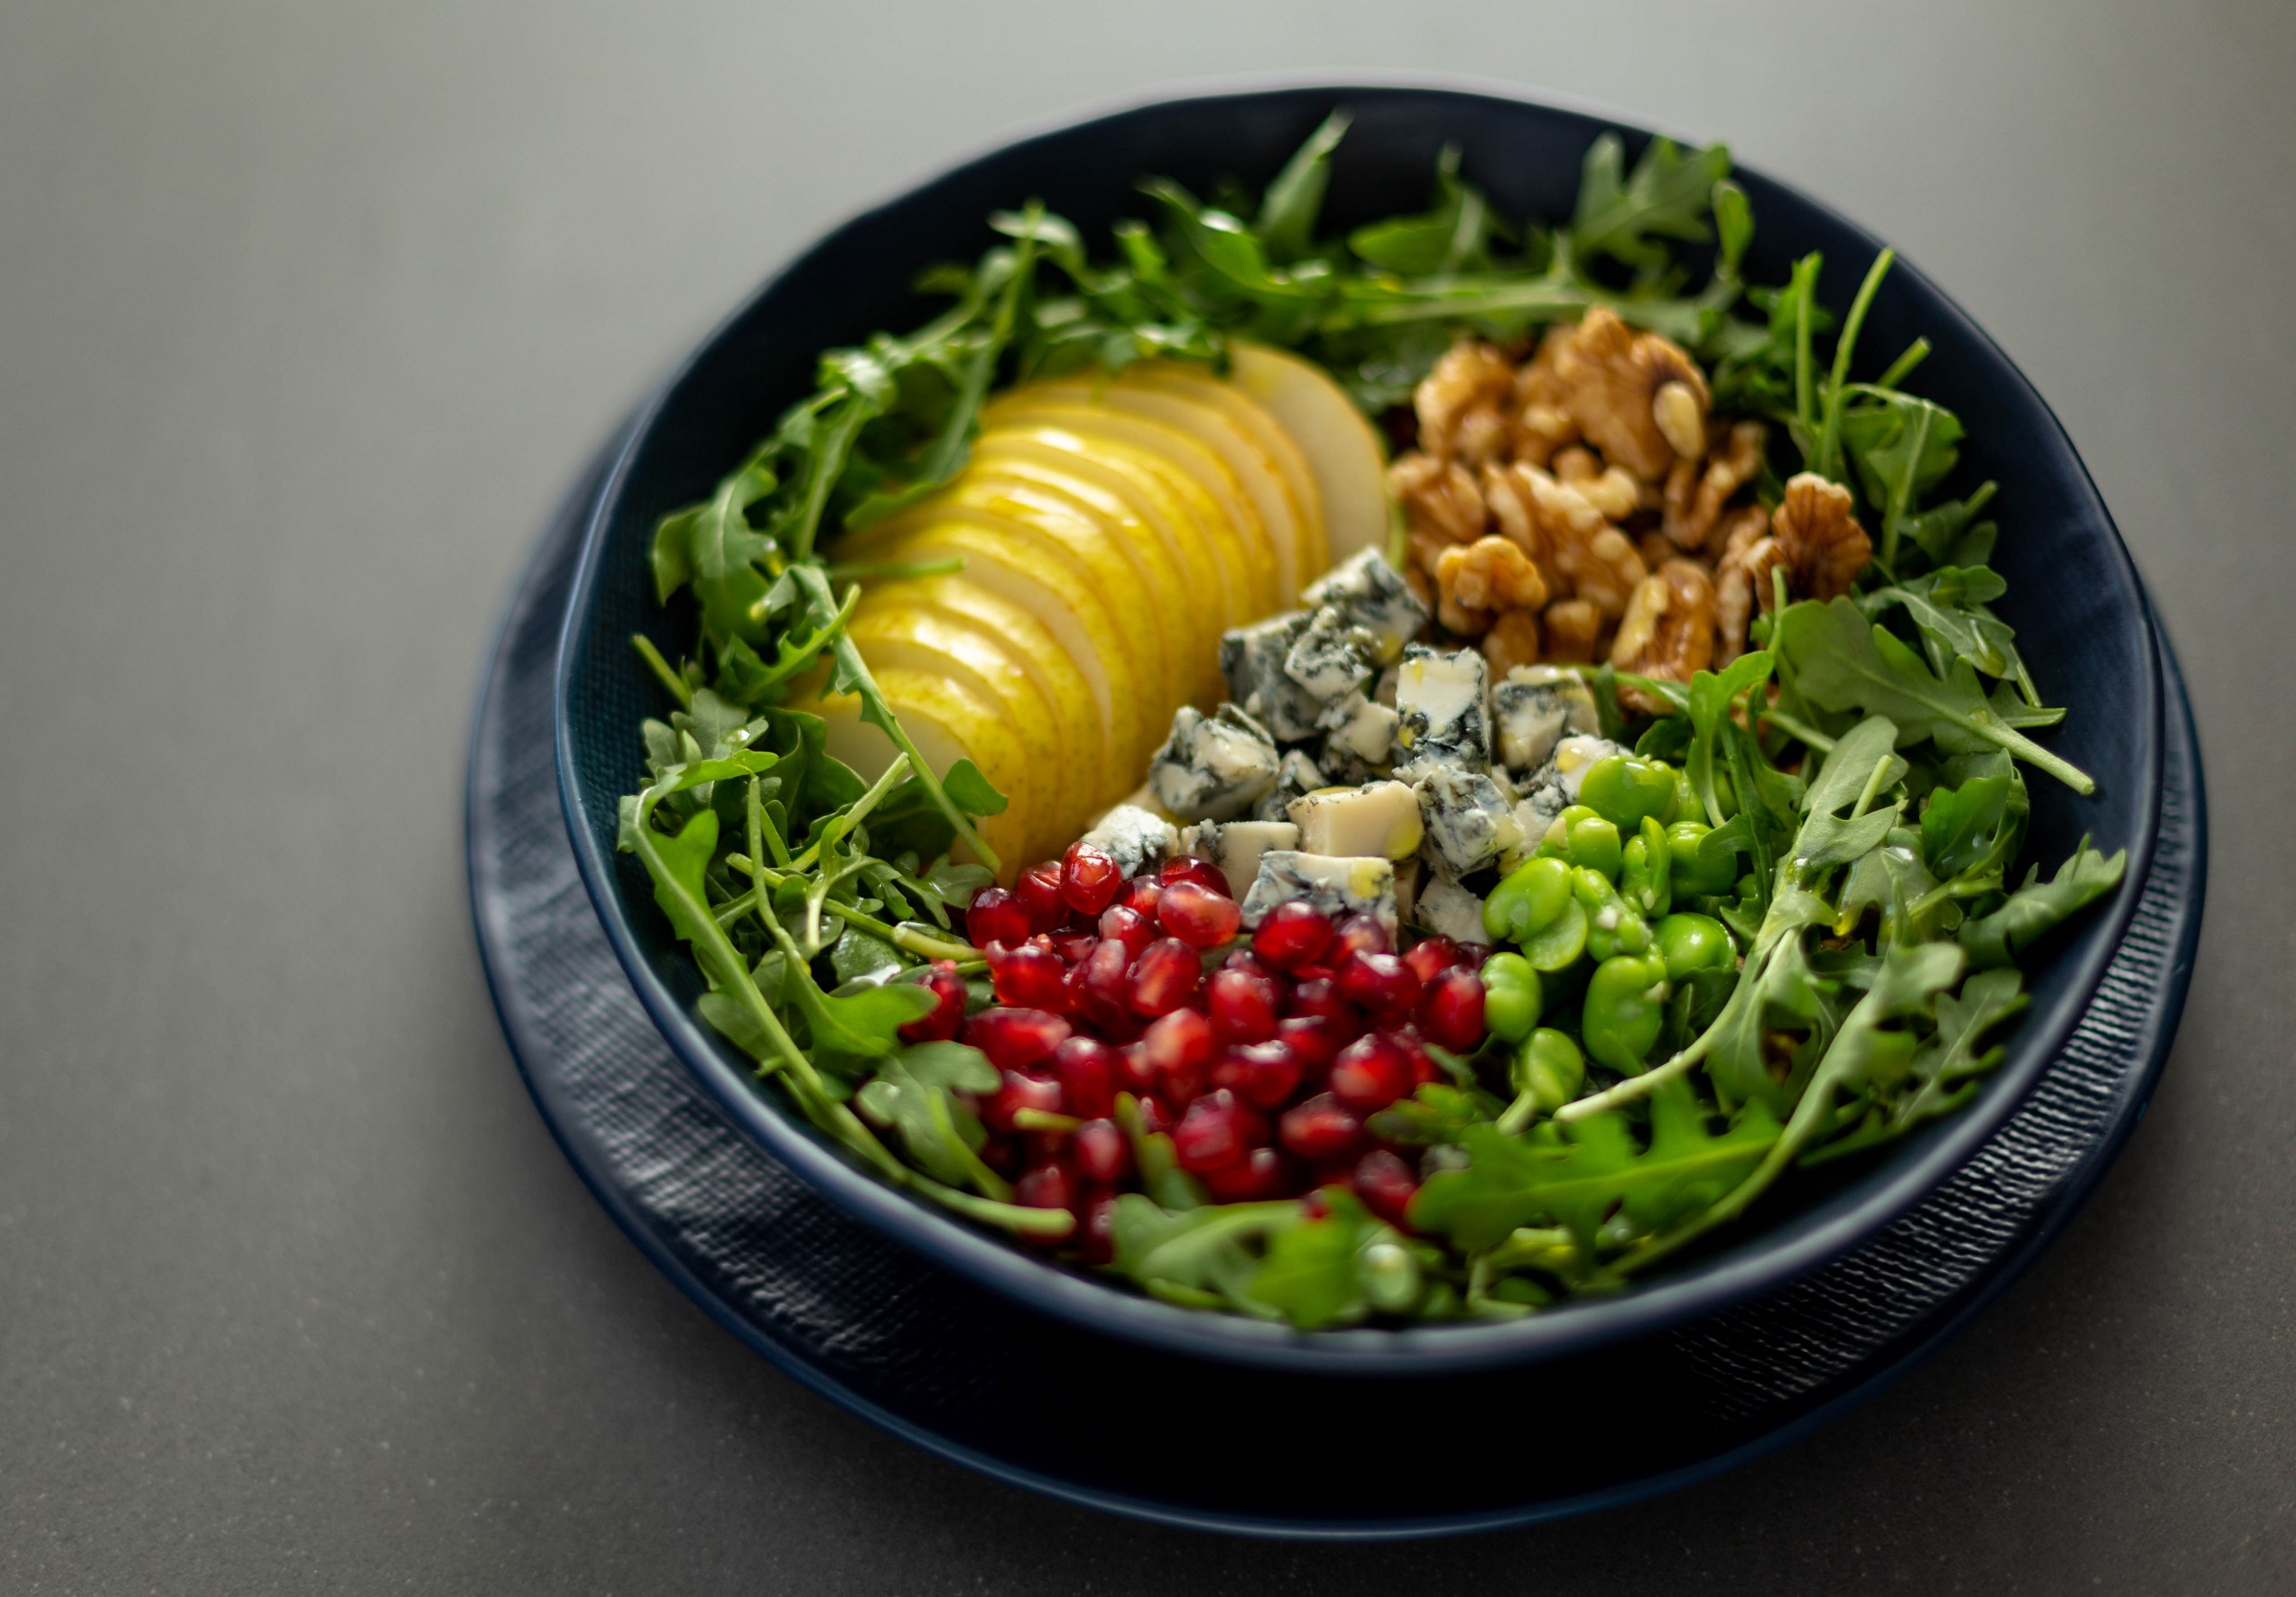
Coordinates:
1042	575
1190	380
948	722
1199	478
1254	470
1341	447
935	644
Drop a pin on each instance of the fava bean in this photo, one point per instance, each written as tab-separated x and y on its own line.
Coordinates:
1528	898
1690	942
1645	878
1512	998
1549	1068
1624	790
1558	944
1613	925
1696	872
1625	1010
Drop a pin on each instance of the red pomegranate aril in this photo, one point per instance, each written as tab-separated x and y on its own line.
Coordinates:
1188	868
1450	1011
1021	1091
1156	1115
1262	1074
1321	1130
1039	892
1045	1187
1103	982
1364	933
1219	1128
1262	1173
1380	983
1137	1074
1090	879
1095	1234
1386	1185
1431	956
1014	1039
1103	1156
1179	1047
941	1021
1140	893
1073	947
1164	977
1322	996
1473	955
1002	1154
1242	1006
1406	1035
1370	1073
1315	971
1030	977
1292	936
1315	1041
1128	926
997	916
1089	1070
1198	916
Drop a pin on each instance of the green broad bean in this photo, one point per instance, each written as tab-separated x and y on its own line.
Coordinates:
1513	997
1528	898
1613	925
1690	942
1549	1068
1646	879
1592	841
1626	1007
1624	790
1558	944
1695	873
1389	1275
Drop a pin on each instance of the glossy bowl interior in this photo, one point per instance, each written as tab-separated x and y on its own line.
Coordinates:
2074	596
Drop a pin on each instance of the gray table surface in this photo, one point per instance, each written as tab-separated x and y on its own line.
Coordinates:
307	313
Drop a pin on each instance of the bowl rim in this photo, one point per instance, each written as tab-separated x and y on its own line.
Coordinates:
1767	1260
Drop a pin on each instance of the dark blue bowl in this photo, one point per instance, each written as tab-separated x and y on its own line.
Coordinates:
2074	598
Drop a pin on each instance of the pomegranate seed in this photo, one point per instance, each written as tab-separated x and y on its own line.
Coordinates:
1140	893
1292	935
1138	1072
1090	880
1103	1156
1364	933
1451	1012
1370	1073
1020	1090
1217	1129
942	1022
1201	871
1471	955
1262	1074
1164	977
1320	996
1045	1187
1385	1183
1317	972
1259	1174
1315	1041
1321	1129
1314	1205
1002	1154
1198	916
1104	980
998	917
1128	926
1431	956
1014	1039
1242	1006
1382	983
1179	1048
1097	1238
1031	976
1039	892
1087	1068
1156	1115
1073	947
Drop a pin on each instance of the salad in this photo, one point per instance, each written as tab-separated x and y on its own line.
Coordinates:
1373	779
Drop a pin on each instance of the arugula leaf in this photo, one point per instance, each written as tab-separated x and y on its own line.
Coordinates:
1844	662
2037	906
1288	212
1436	1114
1200	1255
910	1095
1948	608
1667	197
1454	236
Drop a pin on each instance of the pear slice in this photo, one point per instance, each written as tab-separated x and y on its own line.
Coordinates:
948	722
931	643
1201	479
1341	447
1254	470
1190	380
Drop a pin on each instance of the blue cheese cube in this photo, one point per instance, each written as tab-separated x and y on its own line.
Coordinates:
1214	766
1236	847
1296	775
1134	837
1535	708
1373	595
1331	884
1449	910
1574	757
1360	744
1252	660
1329	659
1469	823
1442	718
1380	819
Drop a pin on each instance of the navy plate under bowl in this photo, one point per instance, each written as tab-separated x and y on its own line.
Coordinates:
2074	599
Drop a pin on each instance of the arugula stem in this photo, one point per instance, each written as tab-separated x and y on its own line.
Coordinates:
854	813
985	1181
886	570
1637	1086
676	685
900	937
1801	729
1874	786
1902	367
1804	309
1828	438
